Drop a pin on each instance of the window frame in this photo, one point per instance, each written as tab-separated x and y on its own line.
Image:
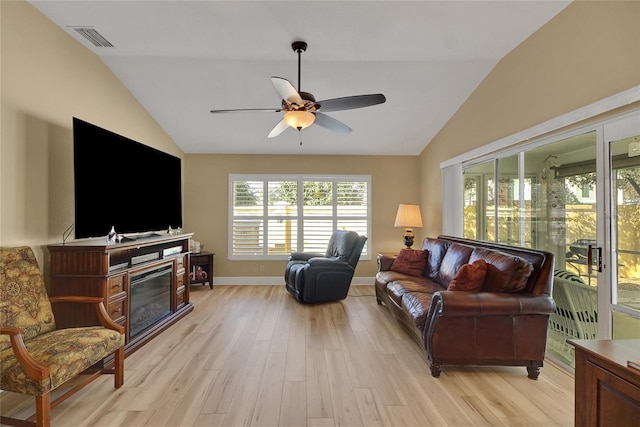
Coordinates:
300	178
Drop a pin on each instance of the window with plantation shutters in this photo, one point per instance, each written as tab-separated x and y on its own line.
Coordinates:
273	215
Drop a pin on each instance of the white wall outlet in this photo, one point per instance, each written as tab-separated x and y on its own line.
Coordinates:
634	149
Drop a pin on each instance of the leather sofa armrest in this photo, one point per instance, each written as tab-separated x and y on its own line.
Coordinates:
337	263
304	256
385	261
471	304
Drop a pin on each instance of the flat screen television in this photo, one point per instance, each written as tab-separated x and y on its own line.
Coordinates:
122	183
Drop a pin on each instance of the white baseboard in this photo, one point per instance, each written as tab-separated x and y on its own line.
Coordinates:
275	280
357	281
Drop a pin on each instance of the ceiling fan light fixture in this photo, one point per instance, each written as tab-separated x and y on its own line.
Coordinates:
299	119
301	109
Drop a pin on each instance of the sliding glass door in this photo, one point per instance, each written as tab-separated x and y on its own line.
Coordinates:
578	196
622	141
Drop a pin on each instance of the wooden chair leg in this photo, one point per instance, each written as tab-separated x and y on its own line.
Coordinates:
43	410
118	367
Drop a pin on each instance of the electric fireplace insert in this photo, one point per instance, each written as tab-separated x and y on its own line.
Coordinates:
150	298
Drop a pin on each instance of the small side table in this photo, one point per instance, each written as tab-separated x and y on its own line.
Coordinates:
201	268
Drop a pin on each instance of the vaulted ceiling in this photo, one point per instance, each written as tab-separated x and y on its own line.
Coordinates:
181	59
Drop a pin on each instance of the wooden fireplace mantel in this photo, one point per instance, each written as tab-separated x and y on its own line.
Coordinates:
93	267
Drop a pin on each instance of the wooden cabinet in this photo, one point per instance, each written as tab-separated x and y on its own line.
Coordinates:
125	275
607	390
202	268
116	300
181	291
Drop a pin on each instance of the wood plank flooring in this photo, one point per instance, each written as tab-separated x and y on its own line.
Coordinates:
253	356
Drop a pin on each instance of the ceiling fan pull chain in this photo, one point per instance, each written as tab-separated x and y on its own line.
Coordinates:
300	134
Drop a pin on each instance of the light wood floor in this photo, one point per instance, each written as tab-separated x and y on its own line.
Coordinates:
253	356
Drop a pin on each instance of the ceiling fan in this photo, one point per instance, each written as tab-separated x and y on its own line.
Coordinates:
301	109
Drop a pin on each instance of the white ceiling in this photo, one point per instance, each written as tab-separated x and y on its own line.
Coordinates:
181	59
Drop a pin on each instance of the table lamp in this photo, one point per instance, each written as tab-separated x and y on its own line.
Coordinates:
408	216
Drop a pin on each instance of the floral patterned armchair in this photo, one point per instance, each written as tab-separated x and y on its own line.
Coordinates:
35	357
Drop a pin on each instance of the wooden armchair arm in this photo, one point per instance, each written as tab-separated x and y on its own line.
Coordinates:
32	369
103	316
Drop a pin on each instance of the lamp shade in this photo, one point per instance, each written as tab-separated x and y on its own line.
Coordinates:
408	216
299	119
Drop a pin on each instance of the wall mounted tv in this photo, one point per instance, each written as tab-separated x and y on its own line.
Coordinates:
122	183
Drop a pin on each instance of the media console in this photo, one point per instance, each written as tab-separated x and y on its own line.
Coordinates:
144	283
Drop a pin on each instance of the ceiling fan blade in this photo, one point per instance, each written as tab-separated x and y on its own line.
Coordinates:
278	129
235	110
286	90
351	102
331	123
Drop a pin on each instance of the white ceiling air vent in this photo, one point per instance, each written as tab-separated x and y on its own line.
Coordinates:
94	37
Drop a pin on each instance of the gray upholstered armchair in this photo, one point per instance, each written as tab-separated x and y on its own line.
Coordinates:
314	277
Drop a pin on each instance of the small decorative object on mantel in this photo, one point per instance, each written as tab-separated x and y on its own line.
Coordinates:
196	246
408	216
173	231
111	237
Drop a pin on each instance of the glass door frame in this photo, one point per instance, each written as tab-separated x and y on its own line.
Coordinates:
616	129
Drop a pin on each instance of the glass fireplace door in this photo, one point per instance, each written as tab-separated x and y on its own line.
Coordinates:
150	298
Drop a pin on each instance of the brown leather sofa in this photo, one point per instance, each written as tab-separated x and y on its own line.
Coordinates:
503	323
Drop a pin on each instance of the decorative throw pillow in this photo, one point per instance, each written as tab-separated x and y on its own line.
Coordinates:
505	272
469	277
410	262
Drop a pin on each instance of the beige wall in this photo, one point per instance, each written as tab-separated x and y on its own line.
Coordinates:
393	180
590	51
47	77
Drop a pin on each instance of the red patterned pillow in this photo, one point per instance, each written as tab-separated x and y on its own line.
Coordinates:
410	262
469	277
